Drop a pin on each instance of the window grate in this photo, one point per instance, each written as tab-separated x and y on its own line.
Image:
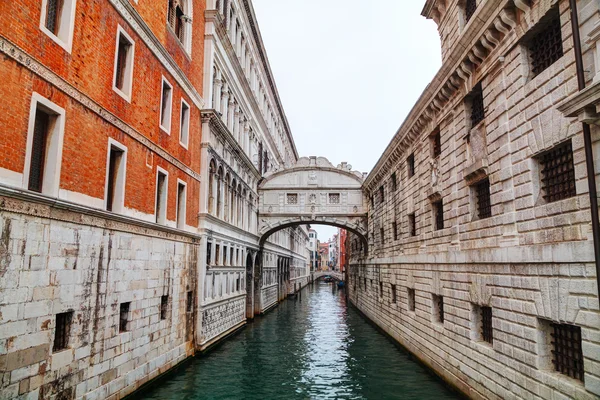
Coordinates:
558	173
546	46
381	289
164	306
382	235
62	331
486	325
411	299
334	198
292	198
410	162
412	224
394	294
382	194
439	303
38	151
395	230
477	108
567	351
53	13
438	208
470	7
123	316
436	139
484	205
394	182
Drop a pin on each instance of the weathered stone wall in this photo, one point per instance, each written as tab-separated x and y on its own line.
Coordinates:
52	263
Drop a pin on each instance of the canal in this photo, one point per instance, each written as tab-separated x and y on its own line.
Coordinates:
314	347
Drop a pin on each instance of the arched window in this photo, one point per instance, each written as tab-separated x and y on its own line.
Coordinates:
211	190
179	17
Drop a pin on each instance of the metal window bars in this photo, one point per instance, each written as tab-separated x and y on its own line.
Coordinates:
477	108
123	316
470	7
62	331
546	47
487	332
484	205
438	207
567	351
558	173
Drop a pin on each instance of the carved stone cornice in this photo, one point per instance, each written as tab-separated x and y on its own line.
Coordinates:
585	105
15	53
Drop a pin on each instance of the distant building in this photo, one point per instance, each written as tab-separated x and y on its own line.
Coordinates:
342	237
313	247
324	256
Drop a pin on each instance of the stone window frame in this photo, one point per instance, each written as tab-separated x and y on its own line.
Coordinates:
437	206
474	199
118	202
64	36
127	91
54	145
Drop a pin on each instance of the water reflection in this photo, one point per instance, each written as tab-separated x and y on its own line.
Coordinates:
314	347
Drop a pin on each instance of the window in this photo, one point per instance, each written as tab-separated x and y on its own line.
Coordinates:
545	42
394	294
470	7
208	252
567	353
123	75
382	194
181	204
115	177
62	331
438	308
411	299
410	163
475	99
334	198
487	332
123	316
292	198
558	173
224	255
382	235
412	224
372	201
160	212
394	182
166	105
58	21
438	213
482	196
381	289
395	230
189	305
184	124
44	146
436	144
164	306
217	255
176	19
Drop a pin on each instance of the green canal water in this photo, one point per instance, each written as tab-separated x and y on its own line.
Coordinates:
314	347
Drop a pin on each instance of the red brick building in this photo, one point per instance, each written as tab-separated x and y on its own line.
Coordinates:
99	188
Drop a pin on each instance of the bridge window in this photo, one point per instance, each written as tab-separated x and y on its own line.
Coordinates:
412	224
292	198
334	198
410	164
411	299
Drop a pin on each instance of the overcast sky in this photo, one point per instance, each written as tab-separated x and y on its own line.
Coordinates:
348	72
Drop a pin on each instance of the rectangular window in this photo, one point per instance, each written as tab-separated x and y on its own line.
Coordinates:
381	289
231	259
372	201
292	198
410	163
470	7
115	179
382	194
164	306
438	211
567	352
62	331
558	173
334	198
487	332
181	205
412	224
184	124
411	299
160	213
436	144
394	294
189	305
475	99
123	75
482	194
394	182
57	21
124	316
438	308
39	149
166	104
395	230
382	235
224	255
208	252
545	42
217	255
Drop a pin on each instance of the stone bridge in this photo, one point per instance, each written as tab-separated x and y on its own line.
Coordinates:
334	274
312	191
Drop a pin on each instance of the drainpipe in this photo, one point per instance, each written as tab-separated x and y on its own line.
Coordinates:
587	140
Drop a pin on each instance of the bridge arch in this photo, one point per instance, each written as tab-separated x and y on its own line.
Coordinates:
313	191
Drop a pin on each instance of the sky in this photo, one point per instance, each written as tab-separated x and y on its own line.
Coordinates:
347	73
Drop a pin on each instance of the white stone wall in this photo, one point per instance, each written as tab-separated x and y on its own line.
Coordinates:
50	263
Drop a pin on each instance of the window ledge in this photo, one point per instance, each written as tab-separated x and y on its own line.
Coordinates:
585	105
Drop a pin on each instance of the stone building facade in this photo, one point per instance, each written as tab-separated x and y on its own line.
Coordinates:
245	135
480	258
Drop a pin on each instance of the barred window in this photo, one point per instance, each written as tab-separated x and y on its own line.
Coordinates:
558	173
477	108
394	182
382	194
123	316
292	198
190	300
410	163
487	332
470	7
164	306
411	299
545	45
438	308
62	331
208	252
484	205
438	210
412	225
567	353
380	289
334	198
394	294
395	230
382	235
436	144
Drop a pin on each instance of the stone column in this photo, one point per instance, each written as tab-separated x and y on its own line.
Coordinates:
236	124
231	113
